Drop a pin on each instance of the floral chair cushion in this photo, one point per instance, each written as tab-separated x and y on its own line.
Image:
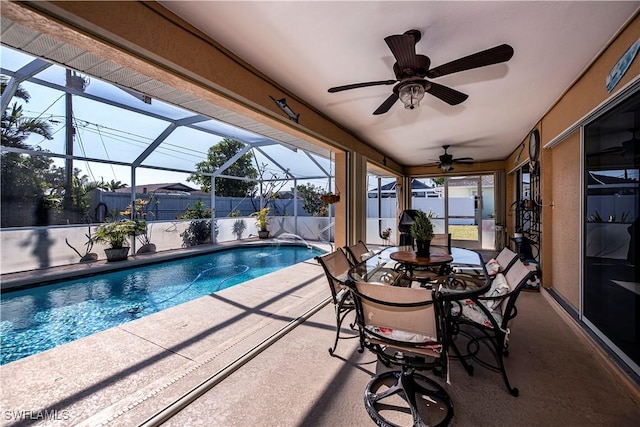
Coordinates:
493	267
499	287
471	311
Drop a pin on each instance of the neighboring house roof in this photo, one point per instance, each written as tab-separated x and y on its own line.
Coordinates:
415	185
166	188
597	179
487	181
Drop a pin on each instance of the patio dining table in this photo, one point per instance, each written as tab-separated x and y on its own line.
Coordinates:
465	276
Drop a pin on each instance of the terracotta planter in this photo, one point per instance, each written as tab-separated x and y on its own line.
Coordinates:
89	257
117	254
330	198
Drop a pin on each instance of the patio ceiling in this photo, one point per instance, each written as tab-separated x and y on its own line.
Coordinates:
308	47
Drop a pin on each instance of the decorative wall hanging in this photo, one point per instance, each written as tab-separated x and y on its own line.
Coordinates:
621	66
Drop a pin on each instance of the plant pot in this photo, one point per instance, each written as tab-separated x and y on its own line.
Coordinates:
90	257
263	234
148	248
422	248
330	198
117	254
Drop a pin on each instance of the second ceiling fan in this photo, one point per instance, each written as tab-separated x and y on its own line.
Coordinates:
411	71
447	161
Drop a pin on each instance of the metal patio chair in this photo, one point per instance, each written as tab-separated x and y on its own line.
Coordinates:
491	314
403	327
336	267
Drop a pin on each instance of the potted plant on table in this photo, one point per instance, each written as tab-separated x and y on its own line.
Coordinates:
262	219
115	235
422	232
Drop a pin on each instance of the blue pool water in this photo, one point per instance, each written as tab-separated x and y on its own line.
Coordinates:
36	319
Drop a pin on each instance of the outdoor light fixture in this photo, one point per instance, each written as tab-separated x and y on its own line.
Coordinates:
446	167
282	103
411	94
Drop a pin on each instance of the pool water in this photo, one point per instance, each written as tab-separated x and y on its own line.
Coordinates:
37	319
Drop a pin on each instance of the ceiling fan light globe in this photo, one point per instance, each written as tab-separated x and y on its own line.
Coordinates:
411	95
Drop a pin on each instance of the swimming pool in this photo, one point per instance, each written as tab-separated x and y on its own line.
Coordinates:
37	319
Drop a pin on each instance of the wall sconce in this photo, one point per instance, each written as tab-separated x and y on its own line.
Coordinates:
282	103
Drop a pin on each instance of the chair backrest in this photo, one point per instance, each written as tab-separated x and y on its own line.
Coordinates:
336	267
517	276
506	258
441	239
396	308
356	251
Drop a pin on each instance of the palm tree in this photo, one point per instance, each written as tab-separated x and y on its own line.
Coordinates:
23	177
114	185
15	127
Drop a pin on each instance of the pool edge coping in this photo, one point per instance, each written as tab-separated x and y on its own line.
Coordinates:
32	278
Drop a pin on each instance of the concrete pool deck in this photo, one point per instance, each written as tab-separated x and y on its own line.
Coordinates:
256	354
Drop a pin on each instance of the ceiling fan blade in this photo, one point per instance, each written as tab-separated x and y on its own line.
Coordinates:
463	159
384	107
495	55
357	85
403	47
463	162
448	95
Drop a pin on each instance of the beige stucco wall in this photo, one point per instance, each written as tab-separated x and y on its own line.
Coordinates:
560	166
563	239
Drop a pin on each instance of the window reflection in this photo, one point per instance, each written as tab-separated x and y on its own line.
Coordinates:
611	288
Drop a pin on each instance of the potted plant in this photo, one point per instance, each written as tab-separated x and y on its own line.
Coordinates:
262	219
238	228
422	232
88	255
330	198
115	235
142	211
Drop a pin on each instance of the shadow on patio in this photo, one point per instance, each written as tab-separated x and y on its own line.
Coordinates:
296	383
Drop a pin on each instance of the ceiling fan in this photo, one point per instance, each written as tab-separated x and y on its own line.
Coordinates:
447	161
626	149
411	71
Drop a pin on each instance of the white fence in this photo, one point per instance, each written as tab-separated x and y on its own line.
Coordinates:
23	249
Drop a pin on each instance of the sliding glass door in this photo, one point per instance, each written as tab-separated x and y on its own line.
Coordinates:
461	205
611	271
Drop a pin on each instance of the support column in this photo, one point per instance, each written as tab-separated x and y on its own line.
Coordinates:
357	229
341	208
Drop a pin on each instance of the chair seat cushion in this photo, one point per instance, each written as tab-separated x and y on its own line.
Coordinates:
499	287
473	313
404	336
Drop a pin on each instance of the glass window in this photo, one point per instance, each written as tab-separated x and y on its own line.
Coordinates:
611	296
